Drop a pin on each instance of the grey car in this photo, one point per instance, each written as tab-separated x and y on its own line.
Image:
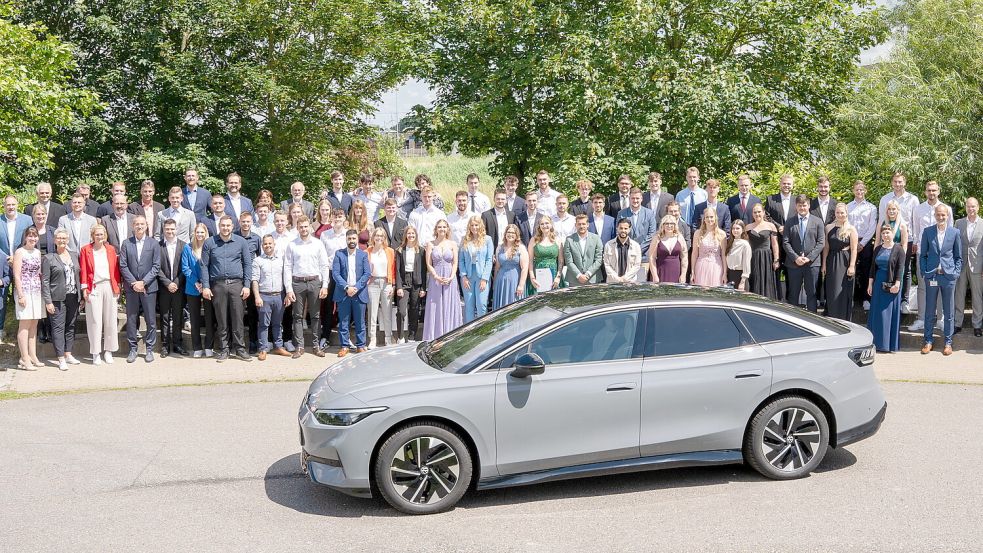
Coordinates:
587	381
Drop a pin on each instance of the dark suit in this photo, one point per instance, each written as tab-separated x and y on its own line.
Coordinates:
144	268
91	207
744	214
340	202
110	221
579	206
661	203
810	245
942	265
399	229
518	204
105	208
47	242
247	205
777	214
156	230
203	201
351	307
615	205
171	303
522	221
54	291
55	211
723	216
491	225
830	210
608	230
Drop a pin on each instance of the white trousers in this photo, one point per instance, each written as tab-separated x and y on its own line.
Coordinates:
101	321
380	299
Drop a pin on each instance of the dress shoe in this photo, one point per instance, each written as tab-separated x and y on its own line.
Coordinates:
221	356
164	353
926	348
242	355
319	352
181	351
297	353
957	330
947	350
281	351
978	332
342	352
361	350
132	356
262	356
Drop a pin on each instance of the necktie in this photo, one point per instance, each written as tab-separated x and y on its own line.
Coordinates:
802	229
473	210
743	203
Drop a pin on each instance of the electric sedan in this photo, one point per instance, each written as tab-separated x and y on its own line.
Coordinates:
587	381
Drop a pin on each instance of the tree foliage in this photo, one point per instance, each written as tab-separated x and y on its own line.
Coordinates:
597	88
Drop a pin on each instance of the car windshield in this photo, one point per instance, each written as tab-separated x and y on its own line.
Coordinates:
458	350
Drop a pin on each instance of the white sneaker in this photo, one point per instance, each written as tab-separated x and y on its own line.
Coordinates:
97	359
198	354
866	306
71	359
109	357
401	340
372	344
905	308
62	364
917	325
938	325
209	353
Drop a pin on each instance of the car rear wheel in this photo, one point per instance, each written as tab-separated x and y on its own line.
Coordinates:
787	438
423	469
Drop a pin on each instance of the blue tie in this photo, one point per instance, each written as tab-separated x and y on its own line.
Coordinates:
802	229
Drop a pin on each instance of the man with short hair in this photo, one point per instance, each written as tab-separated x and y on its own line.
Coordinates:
171	291
477	201
513	202
369	196
643	222
582	204
619	201
217	212
78	223
742	204
940	261
622	256
350	271
91	206
803	241
195	198
583	255
425	217
149	208
863	216
139	265
528	219
599	222
823	205
458	219
226	268
722	211
116	189
333	240
392	223
654	198
337	196
297	197
546	195
53	209
781	207
907	202
235	203
563	222
118	223
497	219
305	276
971	237
924	218
690	196
264	223
184	219
269	294
281	234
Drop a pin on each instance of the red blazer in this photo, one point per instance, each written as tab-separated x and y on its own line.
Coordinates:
87	267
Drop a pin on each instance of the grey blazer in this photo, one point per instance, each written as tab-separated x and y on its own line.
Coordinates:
76	241
307	206
53	281
146	268
588	263
972	245
812	246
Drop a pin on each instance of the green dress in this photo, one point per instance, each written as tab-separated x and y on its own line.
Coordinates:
543	257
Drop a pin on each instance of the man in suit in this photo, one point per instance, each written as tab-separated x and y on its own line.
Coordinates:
780	207
583	255
941	262
599	222
297	197
350	271
690	196
149	209
823	205
971	236
655	198
924	218
235	203
54	209
394	225
722	211
513	202
185	218
742	204
337	196
118	223
171	291
582	204
78	223
217	212
106	207
11	235
528	219
619	201
139	265
643	222
91	206
803	240
497	218
195	197
622	256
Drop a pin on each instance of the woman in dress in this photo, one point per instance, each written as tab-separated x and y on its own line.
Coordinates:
443	311
100	278
762	236
884	285
738	256
668	259
60	292
544	253
476	261
839	264
411	285
709	252
191	268
27	299
322	218
511	269
358	219
382	261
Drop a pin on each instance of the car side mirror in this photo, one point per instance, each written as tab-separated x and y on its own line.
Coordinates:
527	365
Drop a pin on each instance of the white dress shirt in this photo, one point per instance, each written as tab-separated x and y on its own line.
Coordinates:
236	204
333	240
863	216
564	227
11	230
305	258
459	224
172	255
478	202
547	202
424	220
907	203
925	218
502	222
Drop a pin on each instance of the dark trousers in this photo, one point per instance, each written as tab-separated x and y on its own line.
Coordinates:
4	292
252	320
799	277
910	268
329	316
62	323
864	257
288	323
308	303
136	301
781	275
171	318
270	320
351	309
197	305
229	310
408	311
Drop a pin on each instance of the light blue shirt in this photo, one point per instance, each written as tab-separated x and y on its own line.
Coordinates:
688	200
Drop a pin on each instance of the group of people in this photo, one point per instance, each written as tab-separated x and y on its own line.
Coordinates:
383	261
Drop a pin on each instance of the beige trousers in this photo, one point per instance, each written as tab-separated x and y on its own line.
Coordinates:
100	319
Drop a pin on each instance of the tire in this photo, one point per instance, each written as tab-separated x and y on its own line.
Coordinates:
423	484
787	438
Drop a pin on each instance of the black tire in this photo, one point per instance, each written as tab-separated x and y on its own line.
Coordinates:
787	438
423	484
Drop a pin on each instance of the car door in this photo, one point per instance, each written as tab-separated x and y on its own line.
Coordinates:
584	408
702	376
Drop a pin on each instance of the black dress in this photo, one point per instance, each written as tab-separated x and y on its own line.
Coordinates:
839	286
762	280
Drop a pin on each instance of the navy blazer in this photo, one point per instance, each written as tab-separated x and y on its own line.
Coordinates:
146	268
247	205
734	203
339	273
47	242
20	225
723	216
662	203
5	271
203	201
344	202
644	228
608	232
949	257
522	221
518	205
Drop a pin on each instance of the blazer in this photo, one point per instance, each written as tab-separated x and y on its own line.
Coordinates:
491	224
614	205
203	200
611	261
53	281
518	204
608	231
21	222
948	257
342	202
47	242
146	267
390	261
5	274
775	211
522	221
339	273
105	208
578	206
589	263
136	208
307	206
87	268
212	225
112	233
191	269
830	210
644	228
185	220
662	203
815	239
91	207
418	278
895	266
479	265
88	222
399	229
55	212
723	216
734	203
247	205
167	275
972	245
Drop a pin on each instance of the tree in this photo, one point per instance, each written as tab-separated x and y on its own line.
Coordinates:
37	99
594	89
919	111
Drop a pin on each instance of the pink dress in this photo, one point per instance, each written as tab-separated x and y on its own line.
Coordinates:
709	270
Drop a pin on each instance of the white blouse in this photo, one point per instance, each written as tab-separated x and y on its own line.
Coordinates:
100	270
380	264
409	259
739	257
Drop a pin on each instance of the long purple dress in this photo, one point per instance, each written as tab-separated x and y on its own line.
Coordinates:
667	263
443	312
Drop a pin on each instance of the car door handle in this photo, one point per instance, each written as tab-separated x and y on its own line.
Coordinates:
622	387
749	374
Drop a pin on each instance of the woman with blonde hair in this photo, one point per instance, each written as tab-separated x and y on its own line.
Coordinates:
27	299
383	277
411	285
511	269
839	265
709	252
668	259
738	256
476	259
359	220
191	268
443	309
544	253
100	278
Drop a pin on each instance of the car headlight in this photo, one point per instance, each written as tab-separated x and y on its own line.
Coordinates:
344	417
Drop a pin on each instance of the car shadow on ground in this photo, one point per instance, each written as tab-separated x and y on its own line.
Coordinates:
286	485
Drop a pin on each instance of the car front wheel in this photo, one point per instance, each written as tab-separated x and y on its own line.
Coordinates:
787	438
423	469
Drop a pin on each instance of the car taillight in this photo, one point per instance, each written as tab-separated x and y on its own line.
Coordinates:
862	356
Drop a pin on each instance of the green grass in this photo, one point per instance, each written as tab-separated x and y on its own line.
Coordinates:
448	174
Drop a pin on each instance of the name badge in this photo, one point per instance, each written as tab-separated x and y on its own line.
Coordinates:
933	282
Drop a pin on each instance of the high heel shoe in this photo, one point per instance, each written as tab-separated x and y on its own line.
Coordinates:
25	365
37	363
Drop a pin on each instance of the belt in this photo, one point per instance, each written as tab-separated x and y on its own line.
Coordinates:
306	278
270	293
226	280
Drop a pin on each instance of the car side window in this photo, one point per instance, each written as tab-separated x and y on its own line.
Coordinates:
769	329
605	337
684	330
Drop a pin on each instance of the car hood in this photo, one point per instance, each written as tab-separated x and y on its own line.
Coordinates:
379	367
